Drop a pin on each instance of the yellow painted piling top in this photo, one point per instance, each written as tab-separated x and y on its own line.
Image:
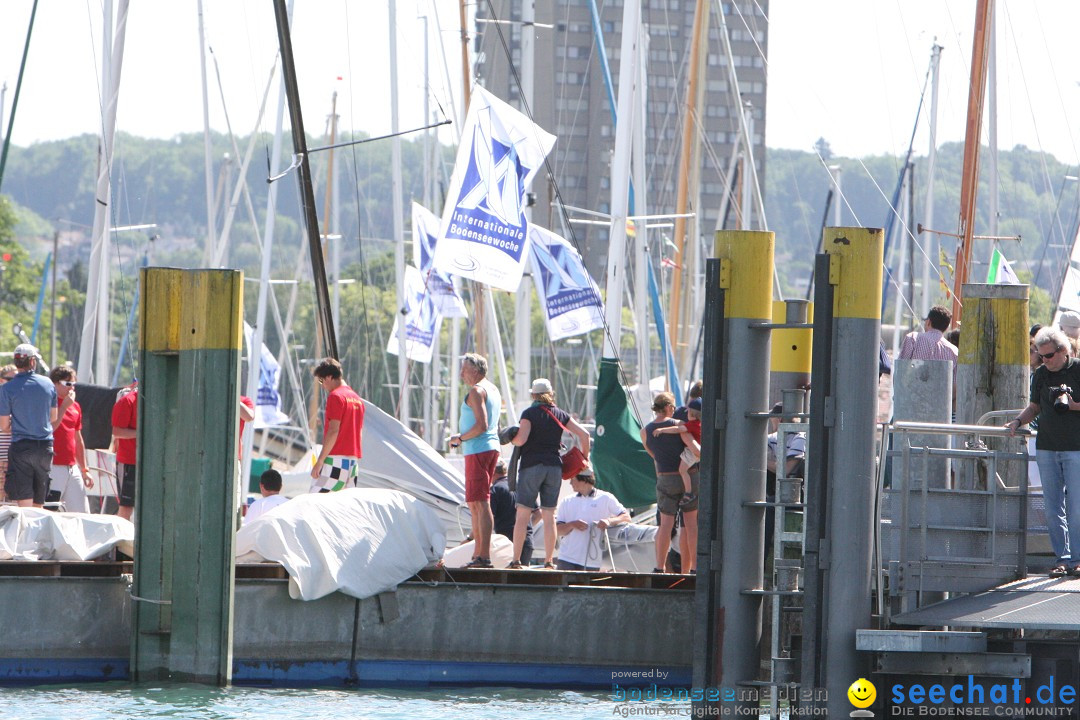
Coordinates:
859	252
995	324
187	309
746	272
791	348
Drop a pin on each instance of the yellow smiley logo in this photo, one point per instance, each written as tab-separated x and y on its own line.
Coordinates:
862	693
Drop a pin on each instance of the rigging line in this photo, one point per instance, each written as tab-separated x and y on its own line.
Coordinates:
365	269
547	161
1053	71
363	141
1046	243
1063	258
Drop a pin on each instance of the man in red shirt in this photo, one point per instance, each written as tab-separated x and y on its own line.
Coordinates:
124	415
343	422
69	476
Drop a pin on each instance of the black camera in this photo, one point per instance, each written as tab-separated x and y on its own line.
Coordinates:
1060	394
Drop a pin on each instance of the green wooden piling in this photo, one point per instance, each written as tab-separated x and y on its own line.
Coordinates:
190	324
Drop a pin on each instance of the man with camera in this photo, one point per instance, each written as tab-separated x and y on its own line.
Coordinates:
1055	385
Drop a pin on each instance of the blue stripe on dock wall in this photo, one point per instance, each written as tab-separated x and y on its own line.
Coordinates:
377	673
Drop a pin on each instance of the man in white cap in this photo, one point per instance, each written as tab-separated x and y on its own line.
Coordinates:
1069	322
28	411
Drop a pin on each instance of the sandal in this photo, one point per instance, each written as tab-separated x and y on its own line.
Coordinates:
479	562
1074	571
658	571
549	566
1058	571
686	499
514	566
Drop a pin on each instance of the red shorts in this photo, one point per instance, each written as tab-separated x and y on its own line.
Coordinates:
479	472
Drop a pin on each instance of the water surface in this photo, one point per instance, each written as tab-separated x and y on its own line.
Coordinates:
120	701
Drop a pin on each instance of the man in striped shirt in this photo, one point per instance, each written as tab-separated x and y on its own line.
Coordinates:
931	343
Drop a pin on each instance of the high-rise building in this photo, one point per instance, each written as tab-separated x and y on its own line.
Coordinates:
571	101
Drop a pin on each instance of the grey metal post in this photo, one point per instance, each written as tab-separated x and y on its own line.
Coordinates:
746	274
855	268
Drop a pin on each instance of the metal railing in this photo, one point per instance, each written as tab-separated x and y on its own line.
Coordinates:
936	537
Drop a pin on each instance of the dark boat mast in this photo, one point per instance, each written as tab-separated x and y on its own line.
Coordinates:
311	219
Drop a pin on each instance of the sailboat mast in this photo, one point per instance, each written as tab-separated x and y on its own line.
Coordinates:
523	296
931	159
94	345
399	220
620	177
970	181
318	267
992	127
684	176
258	331
208	160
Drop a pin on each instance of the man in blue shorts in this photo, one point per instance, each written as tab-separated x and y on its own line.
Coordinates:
27	411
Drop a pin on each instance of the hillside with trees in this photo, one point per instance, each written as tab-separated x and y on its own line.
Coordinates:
161	182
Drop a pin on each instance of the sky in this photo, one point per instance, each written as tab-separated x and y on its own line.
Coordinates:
850	71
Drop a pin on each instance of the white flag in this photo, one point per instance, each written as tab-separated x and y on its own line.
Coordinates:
570	298
421	320
267	397
425	226
483	235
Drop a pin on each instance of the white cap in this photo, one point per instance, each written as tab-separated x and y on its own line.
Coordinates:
26	350
541	386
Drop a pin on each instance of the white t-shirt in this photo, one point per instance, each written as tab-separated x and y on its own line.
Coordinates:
583	546
263	505
796	444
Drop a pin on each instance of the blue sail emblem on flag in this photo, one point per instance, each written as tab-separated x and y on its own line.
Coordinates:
489	209
425	227
570	298
421	318
495	178
483	235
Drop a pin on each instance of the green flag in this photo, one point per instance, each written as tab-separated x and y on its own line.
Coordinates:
621	463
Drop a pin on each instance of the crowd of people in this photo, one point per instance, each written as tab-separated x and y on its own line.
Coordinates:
44	459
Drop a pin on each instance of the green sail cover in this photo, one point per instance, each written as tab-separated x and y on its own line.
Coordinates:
621	463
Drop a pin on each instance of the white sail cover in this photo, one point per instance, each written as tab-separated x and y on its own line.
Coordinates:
358	542
422	320
569	297
37	534
483	235
396	458
425	226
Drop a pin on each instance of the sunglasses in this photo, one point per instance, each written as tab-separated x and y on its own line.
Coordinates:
67	383
1047	356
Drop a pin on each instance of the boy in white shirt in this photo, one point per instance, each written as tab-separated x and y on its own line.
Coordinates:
581	519
270	487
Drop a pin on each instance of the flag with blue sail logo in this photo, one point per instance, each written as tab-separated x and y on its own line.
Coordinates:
267	397
570	298
422	320
425	226
483	235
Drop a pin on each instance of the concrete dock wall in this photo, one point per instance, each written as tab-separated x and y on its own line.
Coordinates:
61	629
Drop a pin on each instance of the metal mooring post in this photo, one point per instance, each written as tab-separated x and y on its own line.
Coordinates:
189	376
731	545
845	553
